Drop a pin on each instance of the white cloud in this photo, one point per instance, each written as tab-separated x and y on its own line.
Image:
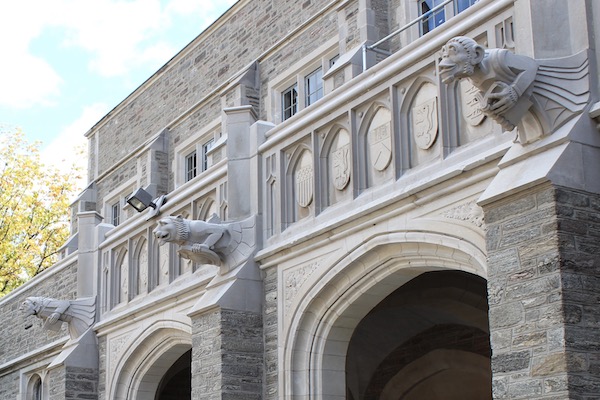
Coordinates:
69	148
25	80
119	36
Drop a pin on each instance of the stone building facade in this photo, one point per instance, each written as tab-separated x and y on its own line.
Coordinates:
386	238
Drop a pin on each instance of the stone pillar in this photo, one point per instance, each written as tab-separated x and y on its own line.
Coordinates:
72	383
243	163
87	278
544	256
227	355
552	28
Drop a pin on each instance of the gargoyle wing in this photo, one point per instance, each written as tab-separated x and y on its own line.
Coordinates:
562	87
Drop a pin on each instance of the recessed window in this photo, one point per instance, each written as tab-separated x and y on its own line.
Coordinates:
313	84
115	213
289	101
431	19
205	149
462	5
191	166
434	19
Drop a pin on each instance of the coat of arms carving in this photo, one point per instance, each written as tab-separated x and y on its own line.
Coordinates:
425	123
340	165
380	146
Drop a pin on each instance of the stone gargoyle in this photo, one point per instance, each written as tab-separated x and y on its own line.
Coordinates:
78	314
537	96
208	242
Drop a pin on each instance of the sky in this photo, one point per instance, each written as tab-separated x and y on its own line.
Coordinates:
66	63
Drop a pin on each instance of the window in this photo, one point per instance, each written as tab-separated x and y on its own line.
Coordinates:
205	149
304	83
289	101
37	389
115	213
462	5
432	20
191	163
197	160
313	85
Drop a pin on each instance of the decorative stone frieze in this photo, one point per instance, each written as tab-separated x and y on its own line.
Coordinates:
294	279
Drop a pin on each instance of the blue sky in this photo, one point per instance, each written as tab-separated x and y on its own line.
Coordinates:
66	63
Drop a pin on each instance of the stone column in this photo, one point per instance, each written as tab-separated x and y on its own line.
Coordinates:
242	164
544	256
87	278
551	28
227	355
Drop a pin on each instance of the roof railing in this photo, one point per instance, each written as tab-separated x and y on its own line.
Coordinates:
373	47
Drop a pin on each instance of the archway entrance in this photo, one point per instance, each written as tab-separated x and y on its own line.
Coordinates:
429	339
176	384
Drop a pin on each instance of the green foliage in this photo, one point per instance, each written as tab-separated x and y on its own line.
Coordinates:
34	211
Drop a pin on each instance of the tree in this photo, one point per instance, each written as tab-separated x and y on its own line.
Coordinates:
34	211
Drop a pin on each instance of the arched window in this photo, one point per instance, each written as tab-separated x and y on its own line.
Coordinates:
35	388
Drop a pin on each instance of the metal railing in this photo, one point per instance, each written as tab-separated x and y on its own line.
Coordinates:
373	47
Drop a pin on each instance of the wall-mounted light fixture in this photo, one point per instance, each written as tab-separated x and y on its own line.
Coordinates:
141	199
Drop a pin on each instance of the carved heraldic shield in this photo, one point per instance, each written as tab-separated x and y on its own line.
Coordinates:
304	186
425	123
340	164
380	146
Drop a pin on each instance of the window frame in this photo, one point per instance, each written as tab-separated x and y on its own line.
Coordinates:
447	12
118	198
191	171
292	91
115	213
320	58
319	91
200	144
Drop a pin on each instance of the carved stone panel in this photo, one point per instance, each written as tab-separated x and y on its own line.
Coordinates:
142	264
470	103
295	278
424	116
303	179
340	162
379	139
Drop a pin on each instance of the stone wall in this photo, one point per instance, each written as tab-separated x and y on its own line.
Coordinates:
579	241
9	386
202	67
227	355
543	259
16	340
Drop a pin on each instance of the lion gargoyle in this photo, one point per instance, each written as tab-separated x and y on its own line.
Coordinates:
537	96
208	242
78	314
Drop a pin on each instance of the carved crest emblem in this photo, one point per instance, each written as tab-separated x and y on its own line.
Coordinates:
304	186
380	146
425	123
340	164
471	103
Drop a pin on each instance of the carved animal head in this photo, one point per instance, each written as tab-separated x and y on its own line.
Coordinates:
171	229
460	55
